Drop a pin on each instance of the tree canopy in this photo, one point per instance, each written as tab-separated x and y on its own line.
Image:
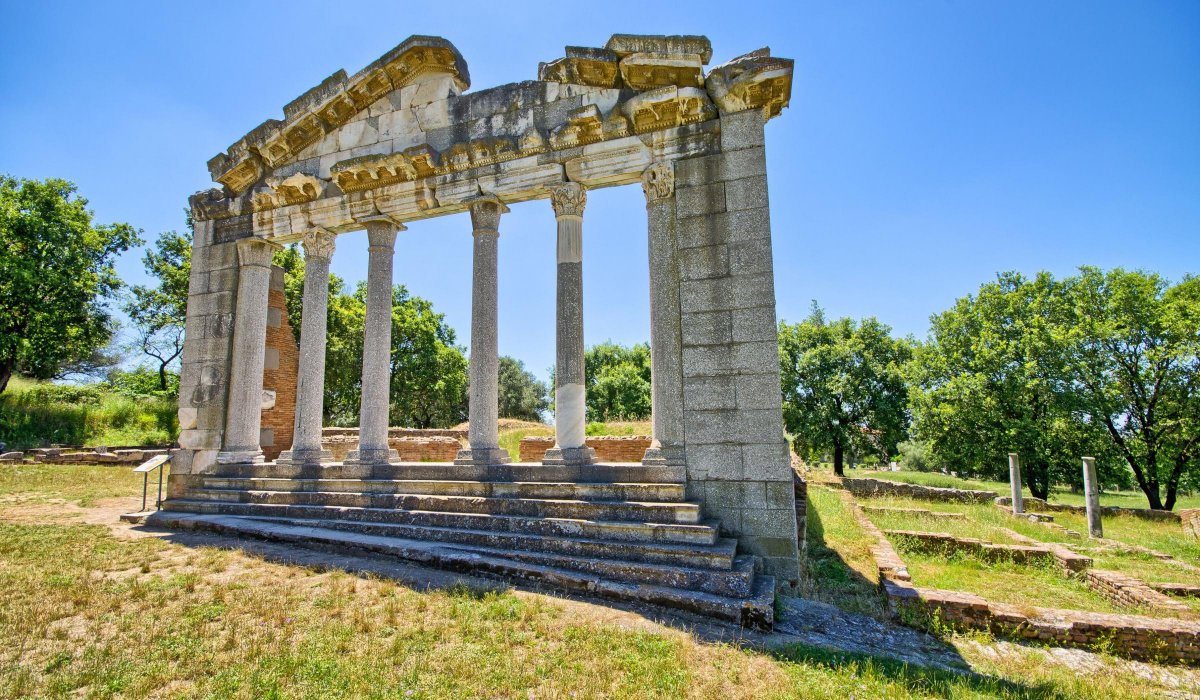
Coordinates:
618	382
56	277
522	395
843	386
429	372
159	312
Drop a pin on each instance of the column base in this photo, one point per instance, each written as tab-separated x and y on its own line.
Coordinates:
371	457
304	458
240	457
482	456
664	455
570	456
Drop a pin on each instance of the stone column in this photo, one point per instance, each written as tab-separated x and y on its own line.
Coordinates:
374	409
483	431
1091	493
310	382
570	398
666	330
1014	482
243	417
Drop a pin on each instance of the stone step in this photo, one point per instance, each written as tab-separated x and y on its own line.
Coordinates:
659	493
628	473
715	557
681	533
687	513
755	611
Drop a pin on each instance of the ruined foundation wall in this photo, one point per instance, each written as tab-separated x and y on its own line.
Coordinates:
280	369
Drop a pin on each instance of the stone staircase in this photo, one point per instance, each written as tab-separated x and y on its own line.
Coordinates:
619	531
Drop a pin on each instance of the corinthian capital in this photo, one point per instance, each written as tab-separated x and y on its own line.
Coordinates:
568	199
318	244
658	181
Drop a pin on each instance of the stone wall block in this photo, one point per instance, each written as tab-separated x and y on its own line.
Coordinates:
750	257
700	201
710	294
704	263
727	494
700	231
713	328
755	357
709	393
711	427
707	361
749	224
759	426
759	391
749	291
741	130
746	193
767	461
754	324
720	167
715	462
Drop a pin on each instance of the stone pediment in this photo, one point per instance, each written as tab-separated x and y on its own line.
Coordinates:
402	138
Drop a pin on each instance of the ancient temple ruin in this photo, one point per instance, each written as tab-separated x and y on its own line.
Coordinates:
706	521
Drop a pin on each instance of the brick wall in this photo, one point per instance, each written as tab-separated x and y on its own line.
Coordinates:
432	448
279	373
457	434
609	448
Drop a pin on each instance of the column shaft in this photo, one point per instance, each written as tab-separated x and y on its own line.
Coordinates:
666	329
570	394
310	382
1014	483
483	430
1091	493
377	349
243	416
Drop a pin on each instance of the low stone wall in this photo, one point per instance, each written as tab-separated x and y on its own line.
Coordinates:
1131	636
609	448
1179	590
409	449
884	487
1127	590
800	488
1143	513
1191	521
918	512
98	456
939	543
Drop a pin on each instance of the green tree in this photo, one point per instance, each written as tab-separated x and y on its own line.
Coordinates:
1133	352
159	312
843	386
617	379
429	372
522	396
56	276
991	380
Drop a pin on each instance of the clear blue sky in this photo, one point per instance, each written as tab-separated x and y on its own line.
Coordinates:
928	145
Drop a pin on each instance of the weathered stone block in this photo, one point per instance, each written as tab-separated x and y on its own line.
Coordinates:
759	426
741	130
750	257
746	193
754	324
707	360
700	201
703	263
756	357
759	391
729	494
750	291
709	295
766	522
780	494
711	328
709	393
716	462
720	167
767	461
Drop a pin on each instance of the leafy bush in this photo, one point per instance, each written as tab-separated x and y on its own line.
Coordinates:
46	414
915	456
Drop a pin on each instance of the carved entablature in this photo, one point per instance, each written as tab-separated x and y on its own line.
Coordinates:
401	138
584	125
667	108
583	66
756	80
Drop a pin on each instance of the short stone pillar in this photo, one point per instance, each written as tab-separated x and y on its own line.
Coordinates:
483	429
310	382
666	327
570	399
243	416
1091	493
1014	482
375	406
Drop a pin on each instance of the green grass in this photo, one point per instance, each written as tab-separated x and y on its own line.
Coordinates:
84	613
838	566
512	432
35	414
23	483
1023	585
1058	494
1162	536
